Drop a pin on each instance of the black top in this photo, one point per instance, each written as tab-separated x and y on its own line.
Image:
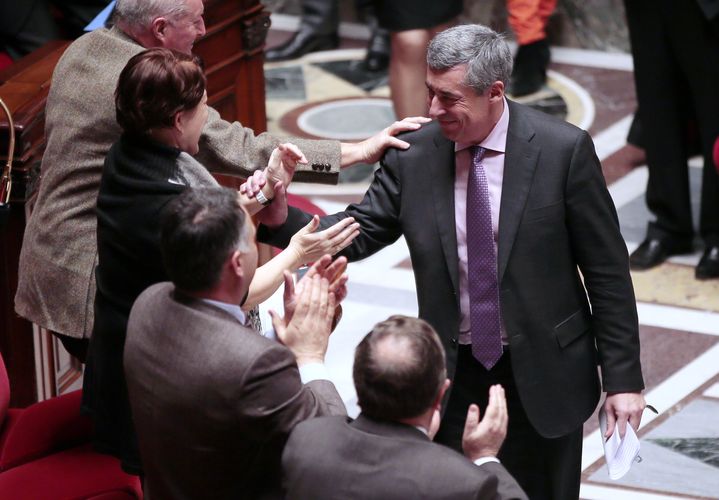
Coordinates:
402	15
135	186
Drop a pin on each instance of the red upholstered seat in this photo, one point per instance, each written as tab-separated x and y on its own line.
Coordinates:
45	452
5	60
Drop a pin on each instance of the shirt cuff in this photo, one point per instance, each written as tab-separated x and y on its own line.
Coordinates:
485	460
313	371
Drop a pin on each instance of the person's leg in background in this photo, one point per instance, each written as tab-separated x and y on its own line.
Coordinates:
528	19
318	31
408	68
662	92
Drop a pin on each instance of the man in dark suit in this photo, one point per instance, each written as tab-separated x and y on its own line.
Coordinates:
675	44
212	400
387	452
497	257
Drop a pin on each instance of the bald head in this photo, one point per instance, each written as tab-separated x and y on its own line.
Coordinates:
399	369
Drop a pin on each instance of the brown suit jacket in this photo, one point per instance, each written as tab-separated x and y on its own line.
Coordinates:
212	401
56	287
333	458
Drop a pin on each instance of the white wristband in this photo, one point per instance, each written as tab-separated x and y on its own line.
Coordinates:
262	199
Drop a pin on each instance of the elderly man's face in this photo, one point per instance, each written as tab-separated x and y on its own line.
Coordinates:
181	33
462	115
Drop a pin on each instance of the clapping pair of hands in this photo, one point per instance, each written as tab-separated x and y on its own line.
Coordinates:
310	307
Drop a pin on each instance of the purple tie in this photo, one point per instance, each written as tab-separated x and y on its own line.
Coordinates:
482	267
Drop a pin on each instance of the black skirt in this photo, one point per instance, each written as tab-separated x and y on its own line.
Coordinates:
403	15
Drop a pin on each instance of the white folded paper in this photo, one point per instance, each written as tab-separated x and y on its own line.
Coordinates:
619	452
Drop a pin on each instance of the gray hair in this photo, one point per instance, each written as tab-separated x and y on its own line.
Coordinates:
484	51
140	13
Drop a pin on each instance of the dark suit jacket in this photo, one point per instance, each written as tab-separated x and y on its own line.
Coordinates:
334	458
556	219
213	402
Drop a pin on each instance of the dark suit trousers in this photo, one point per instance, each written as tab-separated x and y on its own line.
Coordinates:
545	468
675	51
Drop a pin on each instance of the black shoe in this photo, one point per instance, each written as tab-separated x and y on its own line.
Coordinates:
708	267
654	251
303	42
378	50
530	68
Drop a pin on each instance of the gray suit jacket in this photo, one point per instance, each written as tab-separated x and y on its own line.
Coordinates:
56	287
332	458
212	401
556	220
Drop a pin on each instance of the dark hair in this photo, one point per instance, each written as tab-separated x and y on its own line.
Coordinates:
155	85
399	369
199	229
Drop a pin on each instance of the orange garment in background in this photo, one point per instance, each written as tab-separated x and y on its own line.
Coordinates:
528	18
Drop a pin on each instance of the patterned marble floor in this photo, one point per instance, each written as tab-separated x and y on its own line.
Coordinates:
326	94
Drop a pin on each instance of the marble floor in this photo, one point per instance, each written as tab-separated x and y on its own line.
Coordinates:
328	95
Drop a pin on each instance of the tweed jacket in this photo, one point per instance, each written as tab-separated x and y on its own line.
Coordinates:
56	287
332	458
213	402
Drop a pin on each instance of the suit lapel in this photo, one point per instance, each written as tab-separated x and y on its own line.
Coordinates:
443	196
519	164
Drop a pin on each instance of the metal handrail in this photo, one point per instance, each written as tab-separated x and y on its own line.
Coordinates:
6	179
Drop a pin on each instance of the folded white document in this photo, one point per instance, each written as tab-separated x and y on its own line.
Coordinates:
619	452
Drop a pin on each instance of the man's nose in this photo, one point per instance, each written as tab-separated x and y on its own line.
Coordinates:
435	108
201	31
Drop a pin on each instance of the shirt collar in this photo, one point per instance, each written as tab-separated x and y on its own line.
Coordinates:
497	139
233	309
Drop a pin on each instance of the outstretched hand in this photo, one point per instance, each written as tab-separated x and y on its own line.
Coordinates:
371	150
310	245
484	438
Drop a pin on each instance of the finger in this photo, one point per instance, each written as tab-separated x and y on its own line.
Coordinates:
418	119
338	227
393	142
278	324
289	291
335	269
345	237
635	419
319	268
622	424
296	153
472	420
311	226
610	422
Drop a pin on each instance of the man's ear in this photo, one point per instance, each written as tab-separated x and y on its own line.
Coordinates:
496	91
159	27
438	402
235	264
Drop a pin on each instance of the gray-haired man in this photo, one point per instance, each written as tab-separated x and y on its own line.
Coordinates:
502	207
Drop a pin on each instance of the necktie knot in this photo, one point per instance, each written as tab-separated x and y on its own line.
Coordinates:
477	154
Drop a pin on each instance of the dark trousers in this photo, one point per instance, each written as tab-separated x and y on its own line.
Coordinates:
675	51
545	468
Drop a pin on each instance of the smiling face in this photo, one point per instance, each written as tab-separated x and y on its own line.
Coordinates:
462	114
181	33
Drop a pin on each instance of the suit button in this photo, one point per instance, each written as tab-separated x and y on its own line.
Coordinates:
328	167
315	166
454	341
